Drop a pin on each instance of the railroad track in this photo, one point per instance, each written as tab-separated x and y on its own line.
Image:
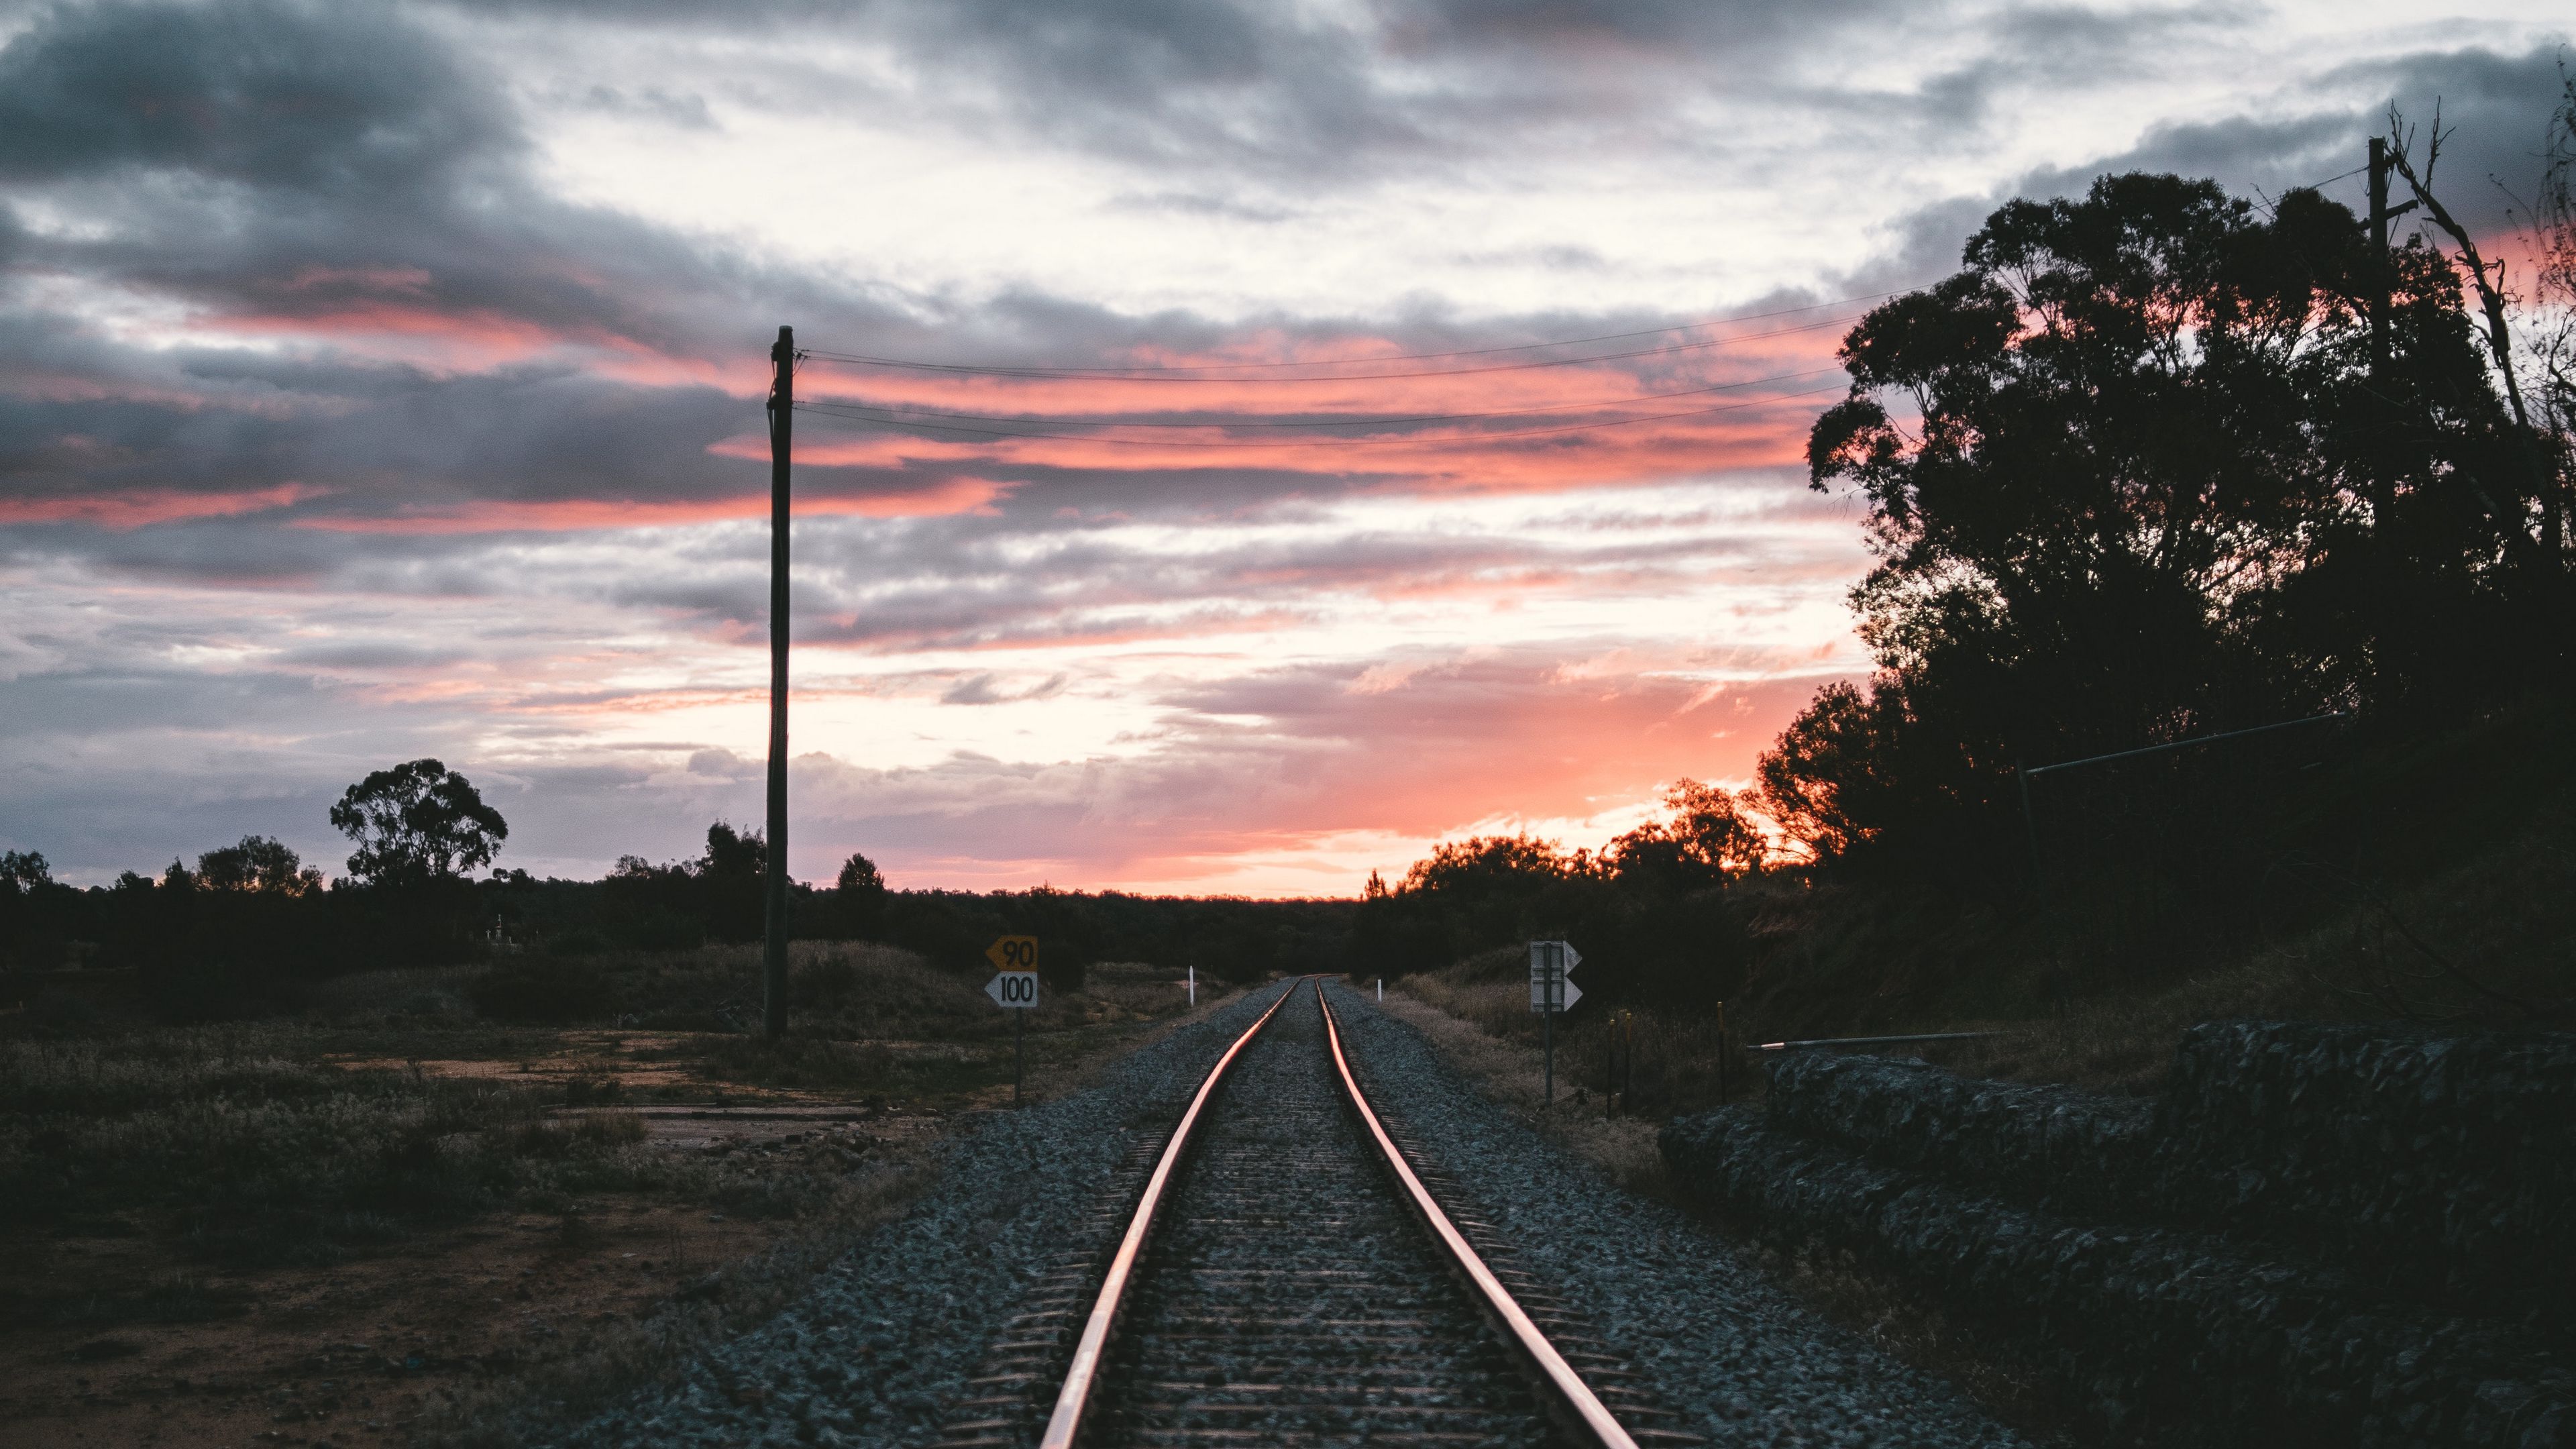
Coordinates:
1284	1270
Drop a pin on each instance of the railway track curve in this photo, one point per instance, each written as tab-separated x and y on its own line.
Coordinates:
1285	1270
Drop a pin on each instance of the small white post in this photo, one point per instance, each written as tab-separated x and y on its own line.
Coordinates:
1381	991
1194	986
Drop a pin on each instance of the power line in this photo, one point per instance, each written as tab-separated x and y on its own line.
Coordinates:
848	414
1344	422
2331	180
1059	374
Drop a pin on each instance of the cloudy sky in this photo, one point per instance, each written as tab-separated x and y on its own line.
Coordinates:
385	380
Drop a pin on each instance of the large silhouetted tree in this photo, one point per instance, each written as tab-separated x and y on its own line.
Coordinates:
416	823
2131	477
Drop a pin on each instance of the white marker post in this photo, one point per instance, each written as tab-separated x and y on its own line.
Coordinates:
1015	991
1550	994
1381	991
1194	986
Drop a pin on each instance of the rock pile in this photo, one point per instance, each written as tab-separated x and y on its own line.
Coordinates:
2318	1235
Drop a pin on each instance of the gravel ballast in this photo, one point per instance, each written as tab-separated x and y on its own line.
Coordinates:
879	1349
1743	1362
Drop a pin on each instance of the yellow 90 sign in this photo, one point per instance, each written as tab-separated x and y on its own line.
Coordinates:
1013	953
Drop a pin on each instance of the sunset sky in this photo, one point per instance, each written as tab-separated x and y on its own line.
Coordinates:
380	381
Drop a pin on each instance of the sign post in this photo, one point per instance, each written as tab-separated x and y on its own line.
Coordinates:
1015	991
1550	994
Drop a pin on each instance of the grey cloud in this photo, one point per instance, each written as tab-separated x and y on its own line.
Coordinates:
1191	203
2495	113
686	111
1297	96
1555	258
114	768
2494	107
376	440
2495	110
984	688
255	91
371	654
290	161
1637	26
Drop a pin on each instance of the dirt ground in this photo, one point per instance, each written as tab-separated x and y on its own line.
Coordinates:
433	1339
356	1353
348	1354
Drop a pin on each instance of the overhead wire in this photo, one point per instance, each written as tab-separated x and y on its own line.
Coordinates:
1341	422
1175	375
842	413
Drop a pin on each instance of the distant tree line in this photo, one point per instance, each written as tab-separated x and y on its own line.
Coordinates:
248	923
1651	911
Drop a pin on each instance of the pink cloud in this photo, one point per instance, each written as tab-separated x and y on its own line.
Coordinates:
945	497
1404	749
144	507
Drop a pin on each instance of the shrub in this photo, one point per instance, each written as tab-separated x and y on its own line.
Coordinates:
544	991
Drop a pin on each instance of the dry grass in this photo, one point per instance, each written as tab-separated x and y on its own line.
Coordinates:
569	1386
306	1140
552	1391
1513	1076
2488	943
1672	1060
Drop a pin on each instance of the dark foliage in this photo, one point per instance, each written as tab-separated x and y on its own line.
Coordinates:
547	991
2132	478
1651	912
247	930
415	823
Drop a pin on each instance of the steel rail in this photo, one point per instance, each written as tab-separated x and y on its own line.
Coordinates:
1064	1425
1581	1406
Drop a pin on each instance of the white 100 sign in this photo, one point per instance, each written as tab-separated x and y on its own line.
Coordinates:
1014	990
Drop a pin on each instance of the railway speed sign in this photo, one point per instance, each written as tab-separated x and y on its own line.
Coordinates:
1552	966
1016	989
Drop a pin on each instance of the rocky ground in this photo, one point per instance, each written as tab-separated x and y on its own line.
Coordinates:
1745	1363
881	1346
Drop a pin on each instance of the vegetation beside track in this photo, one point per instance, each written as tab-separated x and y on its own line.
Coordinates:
197	1221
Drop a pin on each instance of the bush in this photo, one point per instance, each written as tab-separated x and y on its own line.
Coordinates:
543	992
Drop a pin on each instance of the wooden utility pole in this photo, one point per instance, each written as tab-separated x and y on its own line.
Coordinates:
773	955
2383	487
2378	257
2381	273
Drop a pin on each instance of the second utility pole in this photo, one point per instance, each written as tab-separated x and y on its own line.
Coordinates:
2378	257
773	950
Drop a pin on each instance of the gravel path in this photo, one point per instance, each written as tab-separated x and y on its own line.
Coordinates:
1744	1363
877	1351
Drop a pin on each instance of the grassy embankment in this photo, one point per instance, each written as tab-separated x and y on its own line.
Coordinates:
2432	882
394	1210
